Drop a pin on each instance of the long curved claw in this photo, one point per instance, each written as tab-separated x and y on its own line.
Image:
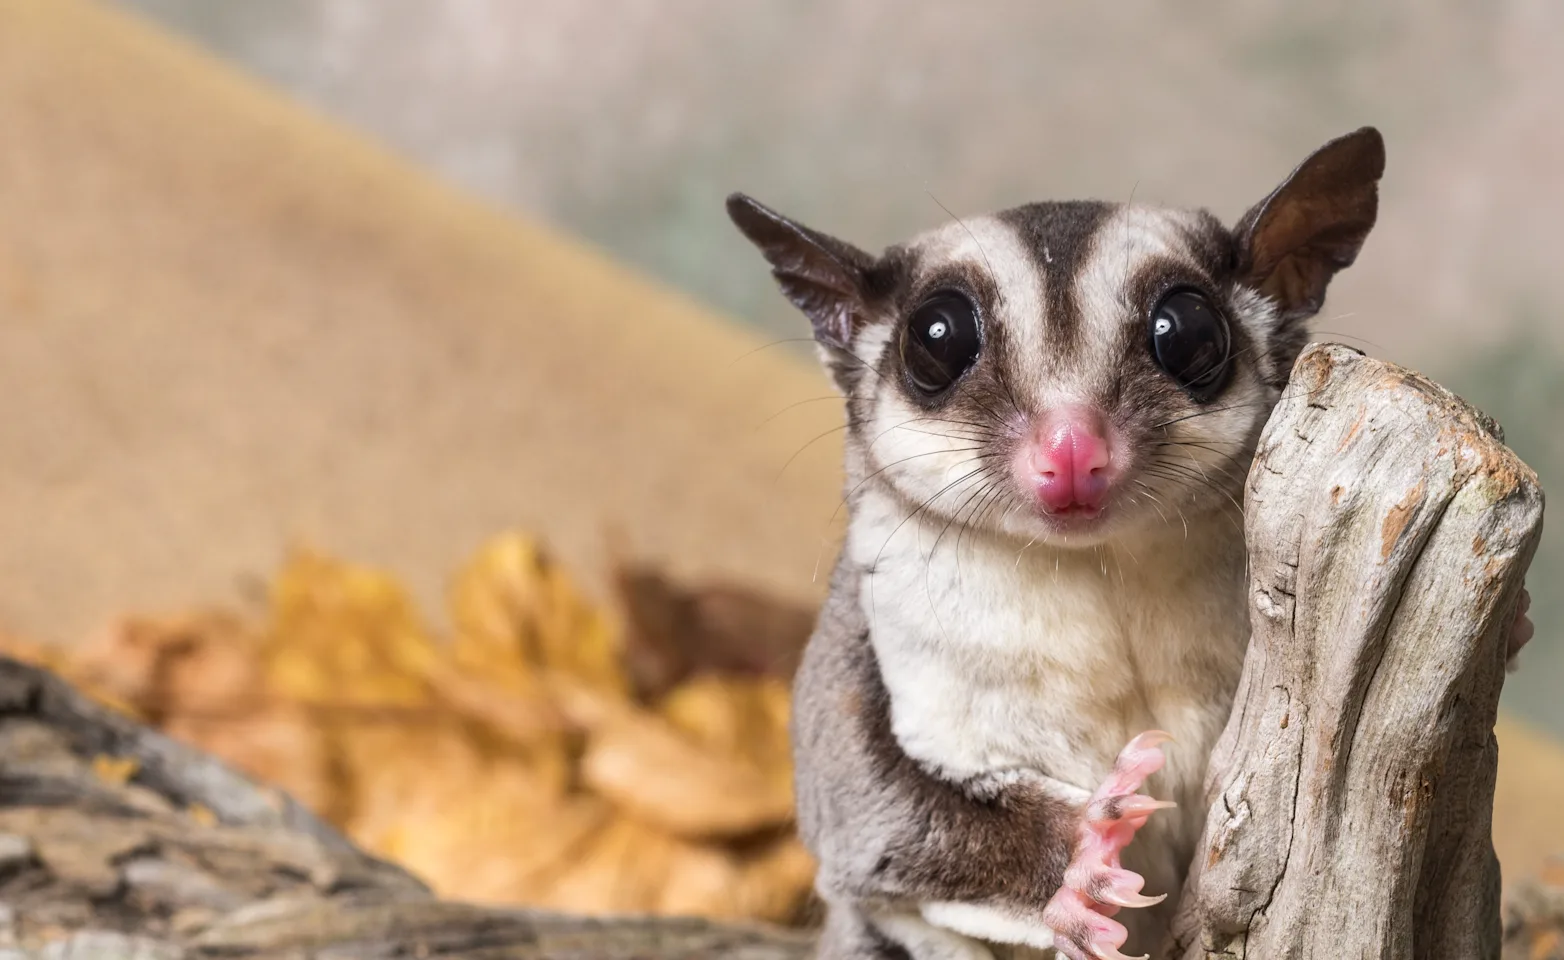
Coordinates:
1121	888
1132	807
1096	886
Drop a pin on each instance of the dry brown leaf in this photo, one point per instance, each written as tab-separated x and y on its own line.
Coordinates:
203	662
473	826
771	882
743	720
674	632
777	883
701	880
620	869
517	855
415	771
37	654
65	662
739	717
519	710
655	773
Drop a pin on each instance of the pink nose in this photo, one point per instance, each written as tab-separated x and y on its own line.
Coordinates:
1069	462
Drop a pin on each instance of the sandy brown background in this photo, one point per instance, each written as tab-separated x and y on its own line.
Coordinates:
229	326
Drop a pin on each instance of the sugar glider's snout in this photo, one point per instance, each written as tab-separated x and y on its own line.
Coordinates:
1069	460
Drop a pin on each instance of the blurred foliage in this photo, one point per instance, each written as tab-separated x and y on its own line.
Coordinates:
534	756
1520	382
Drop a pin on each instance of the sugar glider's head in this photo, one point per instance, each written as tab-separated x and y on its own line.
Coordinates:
1075	371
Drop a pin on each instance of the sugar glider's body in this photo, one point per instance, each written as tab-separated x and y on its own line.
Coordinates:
985	708
1050	413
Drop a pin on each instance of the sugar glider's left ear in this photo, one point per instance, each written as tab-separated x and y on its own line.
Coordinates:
1291	243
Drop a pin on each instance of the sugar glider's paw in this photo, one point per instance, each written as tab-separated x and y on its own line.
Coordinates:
1521	630
1095	885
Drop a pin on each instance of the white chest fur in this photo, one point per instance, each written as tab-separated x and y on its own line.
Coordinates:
1000	656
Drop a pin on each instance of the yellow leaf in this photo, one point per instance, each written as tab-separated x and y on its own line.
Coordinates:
517	612
342	634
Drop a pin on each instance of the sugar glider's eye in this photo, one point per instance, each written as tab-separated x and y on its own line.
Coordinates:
940	342
1190	341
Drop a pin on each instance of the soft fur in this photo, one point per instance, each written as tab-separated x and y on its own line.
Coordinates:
979	666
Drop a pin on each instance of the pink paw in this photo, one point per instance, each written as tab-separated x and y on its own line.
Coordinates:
1095	885
1522	630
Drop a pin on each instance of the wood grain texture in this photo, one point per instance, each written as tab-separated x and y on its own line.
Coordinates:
1350	796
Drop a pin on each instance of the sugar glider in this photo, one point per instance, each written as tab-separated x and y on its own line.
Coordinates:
1050	414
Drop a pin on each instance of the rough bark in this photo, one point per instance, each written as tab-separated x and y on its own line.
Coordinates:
118	843
1350	796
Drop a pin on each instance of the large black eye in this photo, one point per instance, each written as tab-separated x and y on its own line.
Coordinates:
941	341
1190	341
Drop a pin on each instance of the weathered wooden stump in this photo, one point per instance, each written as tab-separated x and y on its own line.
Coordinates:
1350	796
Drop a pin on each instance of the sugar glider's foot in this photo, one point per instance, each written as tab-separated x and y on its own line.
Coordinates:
1095	885
1521	630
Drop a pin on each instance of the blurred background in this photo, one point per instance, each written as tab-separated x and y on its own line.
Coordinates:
387	276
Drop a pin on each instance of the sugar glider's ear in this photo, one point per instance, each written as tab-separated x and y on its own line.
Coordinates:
823	276
1291	243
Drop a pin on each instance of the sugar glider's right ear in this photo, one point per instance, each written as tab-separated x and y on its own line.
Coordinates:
823	276
1294	241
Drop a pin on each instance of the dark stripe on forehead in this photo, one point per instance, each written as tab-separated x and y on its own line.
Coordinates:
1059	238
1211	244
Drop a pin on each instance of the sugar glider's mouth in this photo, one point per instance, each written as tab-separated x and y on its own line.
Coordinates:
1075	520
1074	512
